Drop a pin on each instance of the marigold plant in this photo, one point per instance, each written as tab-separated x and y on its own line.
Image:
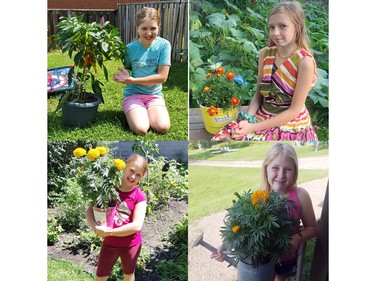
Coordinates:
258	227
221	88
98	175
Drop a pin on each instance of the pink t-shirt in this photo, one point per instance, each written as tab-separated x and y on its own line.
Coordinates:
297	214
124	215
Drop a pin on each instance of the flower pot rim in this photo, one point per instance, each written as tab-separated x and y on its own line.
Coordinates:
85	104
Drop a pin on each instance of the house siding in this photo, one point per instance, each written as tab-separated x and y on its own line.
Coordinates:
89	4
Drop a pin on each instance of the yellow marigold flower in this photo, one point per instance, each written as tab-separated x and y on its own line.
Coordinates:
93	154
212	111
119	164
207	89
103	150
79	152
208	75
259	196
236	228
234	101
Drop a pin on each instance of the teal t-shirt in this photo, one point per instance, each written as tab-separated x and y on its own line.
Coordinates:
144	62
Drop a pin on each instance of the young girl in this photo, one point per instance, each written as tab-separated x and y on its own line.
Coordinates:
149	58
125	239
286	74
279	173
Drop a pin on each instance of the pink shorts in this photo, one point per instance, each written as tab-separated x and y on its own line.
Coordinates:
109	255
139	100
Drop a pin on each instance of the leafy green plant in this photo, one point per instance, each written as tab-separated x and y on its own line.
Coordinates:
71	206
98	175
221	89
53	231
90	45
175	267
258	227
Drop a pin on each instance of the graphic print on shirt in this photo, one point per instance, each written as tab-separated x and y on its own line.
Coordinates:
122	214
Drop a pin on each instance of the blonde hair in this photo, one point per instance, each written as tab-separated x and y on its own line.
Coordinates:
139	160
283	149
295	11
147	12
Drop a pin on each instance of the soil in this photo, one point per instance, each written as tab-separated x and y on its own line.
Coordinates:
155	228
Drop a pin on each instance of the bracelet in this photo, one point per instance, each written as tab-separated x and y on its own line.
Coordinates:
245	116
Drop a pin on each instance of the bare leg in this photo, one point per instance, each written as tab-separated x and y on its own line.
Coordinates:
159	118
280	278
138	120
129	277
101	278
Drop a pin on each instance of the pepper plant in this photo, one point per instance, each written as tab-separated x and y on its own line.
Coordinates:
89	45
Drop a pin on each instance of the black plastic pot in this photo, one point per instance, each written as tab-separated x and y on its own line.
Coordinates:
80	114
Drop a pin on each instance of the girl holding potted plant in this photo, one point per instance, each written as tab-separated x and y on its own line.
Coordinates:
279	174
286	74
149	59
124	240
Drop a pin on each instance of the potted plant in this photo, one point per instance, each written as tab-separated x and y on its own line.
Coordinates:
98	175
219	96
89	45
257	231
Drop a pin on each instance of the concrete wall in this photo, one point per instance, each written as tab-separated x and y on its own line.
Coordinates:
177	150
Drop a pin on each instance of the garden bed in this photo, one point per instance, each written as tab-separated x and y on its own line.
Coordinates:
155	229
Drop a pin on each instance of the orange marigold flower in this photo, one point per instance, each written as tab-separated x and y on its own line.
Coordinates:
230	75
212	111
234	101
236	228
207	89
259	196
208	75
220	70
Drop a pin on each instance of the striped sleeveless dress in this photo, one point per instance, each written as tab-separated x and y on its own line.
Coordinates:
277	88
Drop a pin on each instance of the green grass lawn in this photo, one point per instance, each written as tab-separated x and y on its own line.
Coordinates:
249	151
59	270
110	122
211	188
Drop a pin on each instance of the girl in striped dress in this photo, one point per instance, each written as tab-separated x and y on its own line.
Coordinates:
286	74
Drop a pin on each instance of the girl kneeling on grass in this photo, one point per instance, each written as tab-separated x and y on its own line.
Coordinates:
125	239
279	173
149	58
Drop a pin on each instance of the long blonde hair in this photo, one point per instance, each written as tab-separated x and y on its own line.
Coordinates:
295	11
279	148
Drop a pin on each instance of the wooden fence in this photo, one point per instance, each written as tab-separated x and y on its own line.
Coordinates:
174	22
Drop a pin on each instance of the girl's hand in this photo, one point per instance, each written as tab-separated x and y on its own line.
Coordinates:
103	231
123	76
242	129
295	242
219	255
